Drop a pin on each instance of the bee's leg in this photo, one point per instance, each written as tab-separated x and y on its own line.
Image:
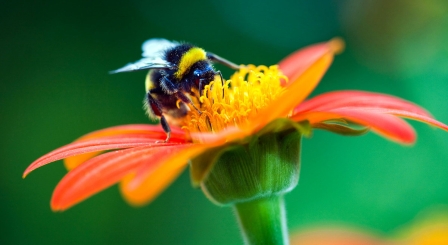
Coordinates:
166	128
215	58
186	100
168	86
155	108
201	86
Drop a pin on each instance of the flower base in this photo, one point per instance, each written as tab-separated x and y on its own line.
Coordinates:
266	166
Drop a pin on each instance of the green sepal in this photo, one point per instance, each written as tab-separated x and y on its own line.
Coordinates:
267	166
202	164
345	129
282	124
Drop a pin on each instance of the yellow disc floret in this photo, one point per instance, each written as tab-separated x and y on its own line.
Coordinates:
234	102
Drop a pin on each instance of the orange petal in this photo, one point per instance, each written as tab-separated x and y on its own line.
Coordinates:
93	146
161	169
389	126
297	90
227	135
99	173
155	131
298	62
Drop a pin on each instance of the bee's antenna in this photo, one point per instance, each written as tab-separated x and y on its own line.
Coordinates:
222	81
200	112
201	87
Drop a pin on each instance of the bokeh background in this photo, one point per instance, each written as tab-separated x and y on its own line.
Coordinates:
55	56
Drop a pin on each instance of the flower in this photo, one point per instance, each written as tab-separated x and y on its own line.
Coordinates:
256	101
430	227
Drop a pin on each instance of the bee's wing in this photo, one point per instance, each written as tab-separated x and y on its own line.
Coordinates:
144	64
153	50
155	47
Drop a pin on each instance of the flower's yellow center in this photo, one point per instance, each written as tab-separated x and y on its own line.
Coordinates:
235	101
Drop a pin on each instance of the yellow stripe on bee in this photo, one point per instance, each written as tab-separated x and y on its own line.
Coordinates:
149	84
192	56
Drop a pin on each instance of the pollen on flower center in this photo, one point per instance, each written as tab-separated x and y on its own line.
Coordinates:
235	101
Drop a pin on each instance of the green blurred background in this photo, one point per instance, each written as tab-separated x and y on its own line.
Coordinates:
55	56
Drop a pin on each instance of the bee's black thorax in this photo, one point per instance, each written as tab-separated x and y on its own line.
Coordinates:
175	54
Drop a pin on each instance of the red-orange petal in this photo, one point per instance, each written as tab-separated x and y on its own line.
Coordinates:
154	131
99	173
92	146
409	115
151	179
338	99
389	126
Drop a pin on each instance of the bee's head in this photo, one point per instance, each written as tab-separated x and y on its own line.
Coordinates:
207	74
203	76
199	75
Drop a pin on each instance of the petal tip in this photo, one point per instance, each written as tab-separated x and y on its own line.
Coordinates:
409	142
26	172
337	45
57	207
54	207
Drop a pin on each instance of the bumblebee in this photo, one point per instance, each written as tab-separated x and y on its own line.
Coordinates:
176	70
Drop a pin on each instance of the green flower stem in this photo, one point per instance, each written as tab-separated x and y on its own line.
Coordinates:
263	221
